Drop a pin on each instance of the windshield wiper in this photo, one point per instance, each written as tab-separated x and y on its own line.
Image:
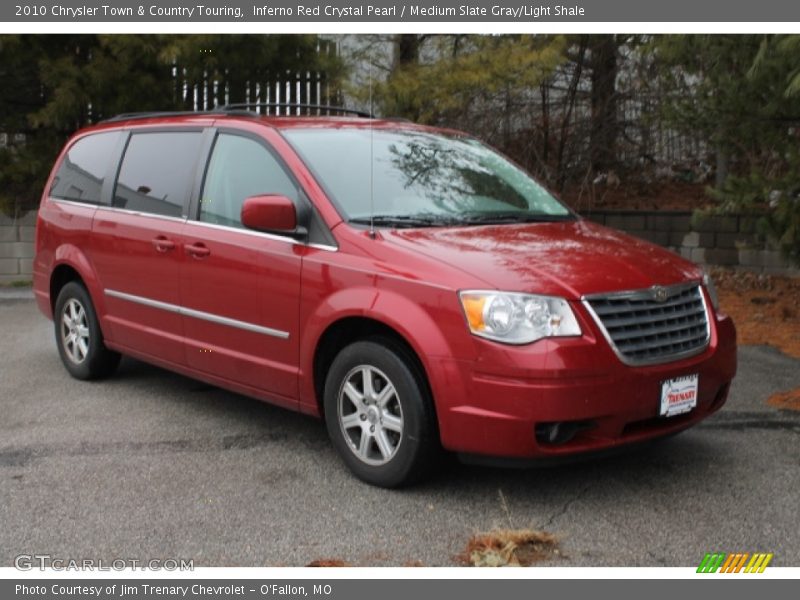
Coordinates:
402	220
429	220
511	217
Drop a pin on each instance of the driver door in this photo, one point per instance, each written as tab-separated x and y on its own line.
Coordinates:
240	289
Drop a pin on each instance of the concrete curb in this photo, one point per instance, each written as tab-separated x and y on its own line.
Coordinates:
12	293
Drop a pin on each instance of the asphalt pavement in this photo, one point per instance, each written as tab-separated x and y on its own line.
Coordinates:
150	464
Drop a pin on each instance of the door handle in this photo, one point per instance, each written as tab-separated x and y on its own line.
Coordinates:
162	244
197	250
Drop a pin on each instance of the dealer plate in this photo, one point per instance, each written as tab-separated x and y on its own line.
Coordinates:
679	395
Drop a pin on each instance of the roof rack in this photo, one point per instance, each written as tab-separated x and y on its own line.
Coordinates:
152	114
240	109
319	107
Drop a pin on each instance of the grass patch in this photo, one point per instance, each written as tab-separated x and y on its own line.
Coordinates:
329	562
510	548
20	283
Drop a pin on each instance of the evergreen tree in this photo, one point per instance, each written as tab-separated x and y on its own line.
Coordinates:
52	85
741	92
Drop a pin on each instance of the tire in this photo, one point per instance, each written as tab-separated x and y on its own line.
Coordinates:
78	335
386	433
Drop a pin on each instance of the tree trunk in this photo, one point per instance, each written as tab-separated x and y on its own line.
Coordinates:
543	91
561	172
722	166
603	140
406	49
406	54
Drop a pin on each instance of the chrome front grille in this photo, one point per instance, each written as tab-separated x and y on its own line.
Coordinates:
655	325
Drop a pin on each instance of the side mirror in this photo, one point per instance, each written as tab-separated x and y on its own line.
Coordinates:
269	213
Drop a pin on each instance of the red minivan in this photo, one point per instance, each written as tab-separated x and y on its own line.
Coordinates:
409	285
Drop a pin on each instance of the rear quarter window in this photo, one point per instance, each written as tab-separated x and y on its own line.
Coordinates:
81	175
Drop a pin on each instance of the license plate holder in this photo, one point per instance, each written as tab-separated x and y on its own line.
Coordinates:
679	395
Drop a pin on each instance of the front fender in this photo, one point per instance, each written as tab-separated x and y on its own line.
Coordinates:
411	320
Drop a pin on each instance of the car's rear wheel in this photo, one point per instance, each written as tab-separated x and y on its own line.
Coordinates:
379	414
78	335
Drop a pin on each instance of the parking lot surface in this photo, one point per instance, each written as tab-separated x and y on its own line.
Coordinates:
152	465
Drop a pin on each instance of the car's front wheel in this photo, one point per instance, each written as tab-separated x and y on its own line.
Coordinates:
78	336
379	414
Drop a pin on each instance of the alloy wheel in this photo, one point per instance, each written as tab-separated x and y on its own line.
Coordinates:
75	331
370	415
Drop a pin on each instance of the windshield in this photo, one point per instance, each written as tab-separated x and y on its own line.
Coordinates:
420	178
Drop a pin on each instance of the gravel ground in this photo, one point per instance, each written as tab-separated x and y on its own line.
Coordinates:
154	465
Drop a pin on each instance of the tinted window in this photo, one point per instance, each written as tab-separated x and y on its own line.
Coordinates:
157	171
240	167
82	172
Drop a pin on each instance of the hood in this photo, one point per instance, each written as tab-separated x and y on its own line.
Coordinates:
567	259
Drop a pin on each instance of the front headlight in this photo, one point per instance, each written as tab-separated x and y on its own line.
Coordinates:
712	290
515	318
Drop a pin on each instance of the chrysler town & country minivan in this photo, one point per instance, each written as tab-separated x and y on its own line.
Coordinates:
409	285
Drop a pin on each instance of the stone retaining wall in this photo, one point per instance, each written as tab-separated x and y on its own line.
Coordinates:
16	248
730	241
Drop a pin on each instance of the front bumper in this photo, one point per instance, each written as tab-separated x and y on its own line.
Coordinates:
494	405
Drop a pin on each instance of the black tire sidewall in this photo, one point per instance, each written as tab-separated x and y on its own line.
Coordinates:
407	465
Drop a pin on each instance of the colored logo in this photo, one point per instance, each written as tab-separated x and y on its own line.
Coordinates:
741	562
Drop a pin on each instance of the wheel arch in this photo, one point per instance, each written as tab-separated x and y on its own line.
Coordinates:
349	329
71	264
61	276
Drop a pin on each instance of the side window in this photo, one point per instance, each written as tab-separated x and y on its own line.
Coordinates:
157	172
82	172
240	167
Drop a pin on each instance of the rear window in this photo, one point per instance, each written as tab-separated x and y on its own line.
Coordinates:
82	172
157	171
